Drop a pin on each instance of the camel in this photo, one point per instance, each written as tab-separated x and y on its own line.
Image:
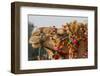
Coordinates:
69	42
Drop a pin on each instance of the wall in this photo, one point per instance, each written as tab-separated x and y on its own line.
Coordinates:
5	42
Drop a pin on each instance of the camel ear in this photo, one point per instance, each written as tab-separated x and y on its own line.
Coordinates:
47	30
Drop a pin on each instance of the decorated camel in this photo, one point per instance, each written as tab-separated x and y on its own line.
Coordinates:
68	42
